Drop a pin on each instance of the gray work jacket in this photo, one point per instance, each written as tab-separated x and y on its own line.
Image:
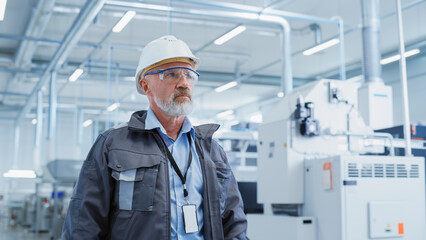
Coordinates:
94	211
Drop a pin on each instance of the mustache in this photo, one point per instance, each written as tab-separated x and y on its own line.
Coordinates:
182	91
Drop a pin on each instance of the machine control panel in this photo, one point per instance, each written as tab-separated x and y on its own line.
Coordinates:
386	219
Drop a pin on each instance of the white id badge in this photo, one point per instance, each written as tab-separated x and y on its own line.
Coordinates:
190	218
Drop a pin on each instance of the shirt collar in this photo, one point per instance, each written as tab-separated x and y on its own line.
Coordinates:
151	122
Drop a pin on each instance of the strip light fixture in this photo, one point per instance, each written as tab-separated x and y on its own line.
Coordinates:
225	113
87	123
226	86
139	5
75	75
321	47
112	107
2	9
398	56
229	35
123	21
20	174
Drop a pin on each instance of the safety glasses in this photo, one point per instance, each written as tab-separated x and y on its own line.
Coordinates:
175	73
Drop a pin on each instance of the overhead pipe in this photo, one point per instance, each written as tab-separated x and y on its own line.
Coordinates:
287	76
403	75
287	71
317	31
342	65
14	94
406	6
15	71
371	41
84	19
10	108
6	59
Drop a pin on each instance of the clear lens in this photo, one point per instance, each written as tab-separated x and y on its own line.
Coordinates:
173	75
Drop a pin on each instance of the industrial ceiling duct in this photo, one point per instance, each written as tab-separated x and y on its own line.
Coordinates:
374	97
371	41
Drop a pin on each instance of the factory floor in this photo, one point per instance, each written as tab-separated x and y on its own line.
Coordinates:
20	233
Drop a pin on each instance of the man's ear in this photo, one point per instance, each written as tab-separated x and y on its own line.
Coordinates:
144	85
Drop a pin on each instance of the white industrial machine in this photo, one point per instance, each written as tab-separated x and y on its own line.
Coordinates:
320	175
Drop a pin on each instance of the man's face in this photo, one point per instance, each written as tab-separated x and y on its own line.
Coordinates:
173	97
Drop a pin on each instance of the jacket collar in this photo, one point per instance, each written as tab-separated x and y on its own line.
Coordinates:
137	123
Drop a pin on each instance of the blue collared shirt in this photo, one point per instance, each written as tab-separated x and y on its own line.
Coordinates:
194	179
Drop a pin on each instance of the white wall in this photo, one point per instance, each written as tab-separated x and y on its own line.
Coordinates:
416	72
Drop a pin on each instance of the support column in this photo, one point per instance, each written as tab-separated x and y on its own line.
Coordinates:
16	146
404	87
39	132
51	135
80	120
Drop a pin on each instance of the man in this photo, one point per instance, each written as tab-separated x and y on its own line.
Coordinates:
158	177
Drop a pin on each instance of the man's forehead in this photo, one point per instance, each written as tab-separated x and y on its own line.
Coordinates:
172	64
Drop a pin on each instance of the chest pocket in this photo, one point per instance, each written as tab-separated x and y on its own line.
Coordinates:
136	176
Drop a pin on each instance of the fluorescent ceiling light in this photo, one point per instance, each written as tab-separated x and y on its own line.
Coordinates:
256	117
75	75
225	113
112	107
2	9
34	121
227	36
397	57
280	94
226	86
124	21
20	174
87	123
139	5
321	47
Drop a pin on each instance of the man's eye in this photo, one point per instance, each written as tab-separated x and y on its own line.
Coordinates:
188	75
170	74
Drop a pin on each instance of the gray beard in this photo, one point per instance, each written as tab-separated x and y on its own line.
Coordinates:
174	109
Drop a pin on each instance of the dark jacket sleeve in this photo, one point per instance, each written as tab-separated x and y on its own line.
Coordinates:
234	220
89	209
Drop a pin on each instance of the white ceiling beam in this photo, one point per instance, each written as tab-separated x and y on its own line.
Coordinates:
35	28
84	19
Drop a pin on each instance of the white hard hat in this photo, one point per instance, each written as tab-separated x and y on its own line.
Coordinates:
164	50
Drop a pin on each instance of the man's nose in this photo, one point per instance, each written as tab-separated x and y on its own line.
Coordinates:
183	81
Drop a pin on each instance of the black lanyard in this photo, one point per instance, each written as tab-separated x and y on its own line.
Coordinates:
173	162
